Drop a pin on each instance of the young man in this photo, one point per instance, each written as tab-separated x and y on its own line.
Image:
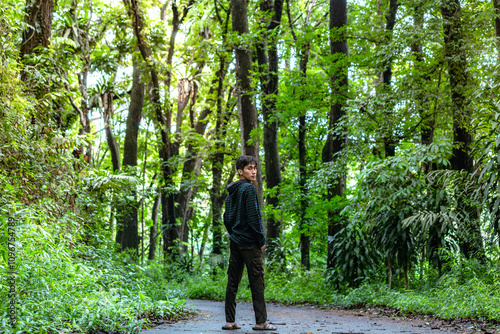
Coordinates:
244	223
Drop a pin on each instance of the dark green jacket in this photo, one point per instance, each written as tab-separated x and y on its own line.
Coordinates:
242	217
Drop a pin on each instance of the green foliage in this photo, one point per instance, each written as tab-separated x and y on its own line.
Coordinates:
392	190
65	285
355	256
282	258
394	209
468	290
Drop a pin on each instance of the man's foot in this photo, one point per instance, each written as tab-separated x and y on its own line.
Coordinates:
264	327
230	326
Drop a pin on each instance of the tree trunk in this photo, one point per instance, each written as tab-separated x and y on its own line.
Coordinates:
129	222
268	65
172	232
114	150
496	6
153	230
335	141
471	243
389	141
163	121
218	191
303	225
114	147
192	164
246	109
38	19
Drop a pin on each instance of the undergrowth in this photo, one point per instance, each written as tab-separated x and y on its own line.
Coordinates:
81	289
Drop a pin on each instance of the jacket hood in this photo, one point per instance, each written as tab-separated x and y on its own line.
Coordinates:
233	187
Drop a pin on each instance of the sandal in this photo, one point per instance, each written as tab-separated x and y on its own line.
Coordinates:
267	327
229	328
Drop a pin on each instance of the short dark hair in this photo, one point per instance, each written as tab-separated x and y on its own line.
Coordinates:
245	160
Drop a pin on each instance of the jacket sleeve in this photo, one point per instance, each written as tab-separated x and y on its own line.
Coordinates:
254	218
229	216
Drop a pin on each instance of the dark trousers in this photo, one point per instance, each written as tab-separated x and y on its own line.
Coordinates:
251	257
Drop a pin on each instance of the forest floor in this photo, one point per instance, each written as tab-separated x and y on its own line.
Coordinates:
209	318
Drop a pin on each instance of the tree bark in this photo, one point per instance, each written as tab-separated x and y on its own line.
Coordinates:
218	191
114	147
38	19
246	109
153	230
335	140
389	141
162	121
496	6
471	243
134	118
268	65
129	221
303	225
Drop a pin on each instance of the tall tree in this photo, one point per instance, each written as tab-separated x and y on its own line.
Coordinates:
85	38
304	52
268	65
389	140
163	120
246	108
217	191
471	243
337	134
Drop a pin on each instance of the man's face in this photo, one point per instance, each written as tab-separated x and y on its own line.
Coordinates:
249	172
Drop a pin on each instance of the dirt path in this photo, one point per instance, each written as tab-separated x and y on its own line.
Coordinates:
299	320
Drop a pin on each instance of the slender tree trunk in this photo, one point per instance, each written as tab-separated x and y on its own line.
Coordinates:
335	141
114	150
248	113
153	230
218	190
217	202
471	243
389	141
303	225
114	147
133	119
204	239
